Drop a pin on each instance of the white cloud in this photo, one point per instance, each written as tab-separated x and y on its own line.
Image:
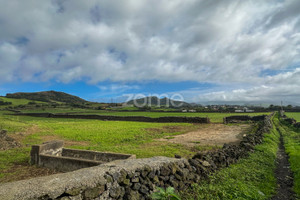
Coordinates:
277	93
287	78
282	87
222	42
9	56
118	87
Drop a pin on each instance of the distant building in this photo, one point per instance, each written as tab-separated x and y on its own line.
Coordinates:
245	110
192	110
184	110
239	111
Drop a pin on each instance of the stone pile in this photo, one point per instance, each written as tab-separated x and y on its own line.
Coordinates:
7	142
242	118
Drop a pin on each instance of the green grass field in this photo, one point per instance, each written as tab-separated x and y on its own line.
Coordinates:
214	117
123	137
250	178
16	102
61	110
127	137
137	138
295	115
292	145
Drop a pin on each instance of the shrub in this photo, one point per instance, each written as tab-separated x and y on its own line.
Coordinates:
165	194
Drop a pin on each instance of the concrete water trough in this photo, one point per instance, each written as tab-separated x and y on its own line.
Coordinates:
53	155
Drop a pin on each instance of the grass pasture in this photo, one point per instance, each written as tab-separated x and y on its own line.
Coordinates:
115	136
139	138
295	115
214	117
61	110
17	102
112	136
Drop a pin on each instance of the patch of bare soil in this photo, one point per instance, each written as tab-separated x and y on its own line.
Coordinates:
24	171
169	129
19	136
210	134
35	129
7	142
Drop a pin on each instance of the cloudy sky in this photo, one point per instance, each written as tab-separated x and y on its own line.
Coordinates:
217	50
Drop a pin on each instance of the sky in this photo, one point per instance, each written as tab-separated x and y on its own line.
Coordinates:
200	51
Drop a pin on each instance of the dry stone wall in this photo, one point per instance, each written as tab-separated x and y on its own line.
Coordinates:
291	121
133	179
123	118
241	118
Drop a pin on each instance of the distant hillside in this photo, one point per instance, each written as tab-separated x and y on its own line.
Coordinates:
15	102
47	96
155	101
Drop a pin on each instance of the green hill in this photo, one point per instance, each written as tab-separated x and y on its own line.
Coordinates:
4	102
47	96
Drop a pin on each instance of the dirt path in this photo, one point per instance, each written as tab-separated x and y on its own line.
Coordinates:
19	136
210	134
283	174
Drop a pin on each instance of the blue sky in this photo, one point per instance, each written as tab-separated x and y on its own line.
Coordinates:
107	91
204	51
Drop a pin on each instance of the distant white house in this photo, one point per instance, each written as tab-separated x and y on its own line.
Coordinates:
239	111
245	110
188	110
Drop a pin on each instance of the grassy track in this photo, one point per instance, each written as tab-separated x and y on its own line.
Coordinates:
250	178
295	115
292	145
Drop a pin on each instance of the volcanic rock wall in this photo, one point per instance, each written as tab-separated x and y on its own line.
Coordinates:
241	118
291	121
123	118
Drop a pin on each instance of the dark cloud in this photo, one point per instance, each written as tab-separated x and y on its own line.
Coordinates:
288	13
